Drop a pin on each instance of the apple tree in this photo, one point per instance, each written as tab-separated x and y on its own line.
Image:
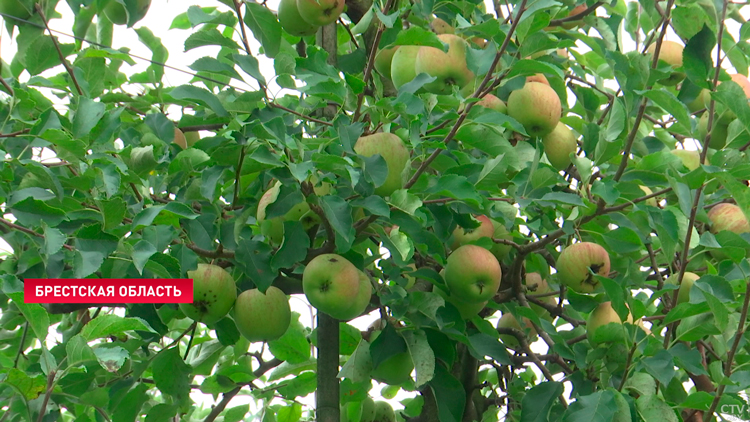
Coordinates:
538	207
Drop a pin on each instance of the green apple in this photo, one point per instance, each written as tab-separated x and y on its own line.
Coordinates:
331	283
396	156
510	321
493	103
449	68
542	287
670	53
690	159
472	274
403	65
16	8
180	139
395	370
500	250
262	316
466	309
320	12
700	101
463	236
537	107
214	294
651	201
683	294
273	228
118	13
291	20
384	59
384	412
605	326
578	261
559	144
719	132
365	409
729	217
192	138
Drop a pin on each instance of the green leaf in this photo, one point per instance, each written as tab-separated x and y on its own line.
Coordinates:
29	387
265	27
359	365
142	251
449	395
34	313
209	36
161	412
291	413
661	366
694	328
421	354
653	409
673	106
201	96
249	65
109	325
700	400
159	52
538	401
237	413
111	358
31	213
294	247
171	374
417	35
696	57
87	115
54	240
293	346
212	65
688	20
42	54
339	215
254	258
597	407
623	240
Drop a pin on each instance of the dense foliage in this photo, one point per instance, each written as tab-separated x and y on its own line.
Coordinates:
583	142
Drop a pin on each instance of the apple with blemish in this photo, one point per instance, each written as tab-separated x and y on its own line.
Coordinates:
214	294
579	262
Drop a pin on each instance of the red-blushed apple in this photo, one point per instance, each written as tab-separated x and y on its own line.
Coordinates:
360	302
320	12
688	279
262	316
542	287
403	62
396	369
558	145
573	12
179	139
472	273
671	53
539	77
214	294
742	81
396	156
729	217
493	103
510	321
291	20
384	59
331	283
579	262
439	26
463	236
605	326
449	68
500	250
537	107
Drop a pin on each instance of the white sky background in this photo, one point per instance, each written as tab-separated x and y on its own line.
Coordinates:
158	20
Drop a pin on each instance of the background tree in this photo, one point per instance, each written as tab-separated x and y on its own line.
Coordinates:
517	194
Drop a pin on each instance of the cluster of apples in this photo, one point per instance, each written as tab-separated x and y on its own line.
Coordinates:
303	17
259	316
368	411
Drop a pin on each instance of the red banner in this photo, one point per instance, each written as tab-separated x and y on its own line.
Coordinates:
108	290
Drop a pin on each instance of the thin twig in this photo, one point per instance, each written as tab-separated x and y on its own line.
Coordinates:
59	51
579	16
